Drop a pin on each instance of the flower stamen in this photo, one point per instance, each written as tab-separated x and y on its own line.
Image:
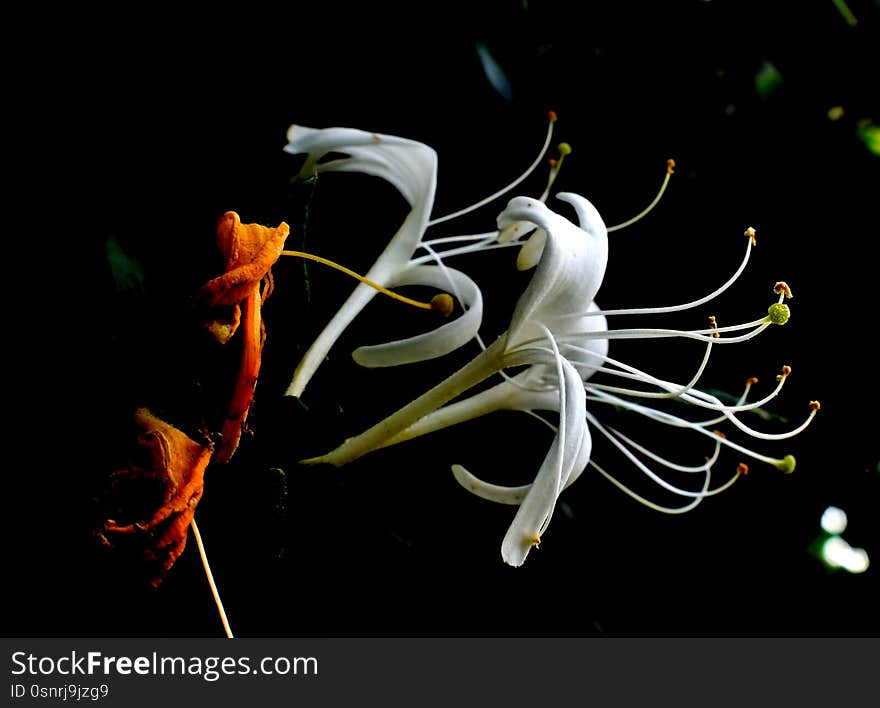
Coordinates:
552	118
670	168
442	302
781	288
674	308
555	167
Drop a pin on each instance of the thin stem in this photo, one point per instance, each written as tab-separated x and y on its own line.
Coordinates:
846	13
210	578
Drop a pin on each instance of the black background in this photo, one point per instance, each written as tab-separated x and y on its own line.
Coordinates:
156	124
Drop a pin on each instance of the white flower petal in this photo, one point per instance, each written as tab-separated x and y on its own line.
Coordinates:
587	352
530	254
412	168
520	393
558	467
492	492
443	339
409	165
514	495
570	271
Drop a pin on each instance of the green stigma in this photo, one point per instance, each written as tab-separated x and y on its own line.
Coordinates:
786	464
778	313
564	149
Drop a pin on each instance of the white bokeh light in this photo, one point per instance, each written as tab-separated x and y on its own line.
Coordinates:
837	553
834	520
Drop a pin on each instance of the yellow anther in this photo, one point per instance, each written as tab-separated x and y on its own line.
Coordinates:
670	166
742	468
815	406
714	325
786	372
751	381
442	303
552	116
750	232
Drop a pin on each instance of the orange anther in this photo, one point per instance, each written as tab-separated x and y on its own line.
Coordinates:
782	288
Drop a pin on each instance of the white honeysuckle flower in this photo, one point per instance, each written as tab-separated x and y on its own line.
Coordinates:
411	167
569	273
562	337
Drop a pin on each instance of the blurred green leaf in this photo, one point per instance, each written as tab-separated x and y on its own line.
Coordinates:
128	274
870	135
768	79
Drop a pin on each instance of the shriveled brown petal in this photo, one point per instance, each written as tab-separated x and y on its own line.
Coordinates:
246	382
250	251
177	464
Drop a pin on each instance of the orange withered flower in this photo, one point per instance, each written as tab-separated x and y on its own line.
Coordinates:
172	466
250	251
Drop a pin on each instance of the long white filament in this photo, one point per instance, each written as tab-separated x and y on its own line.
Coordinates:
504	190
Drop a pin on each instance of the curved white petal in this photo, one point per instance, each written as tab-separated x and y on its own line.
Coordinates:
412	168
441	340
571	268
486	490
502	494
407	164
537	508
530	254
589	352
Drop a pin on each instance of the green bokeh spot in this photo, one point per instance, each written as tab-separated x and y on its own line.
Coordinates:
870	135
767	80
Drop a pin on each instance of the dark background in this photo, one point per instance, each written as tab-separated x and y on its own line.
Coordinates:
159	124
